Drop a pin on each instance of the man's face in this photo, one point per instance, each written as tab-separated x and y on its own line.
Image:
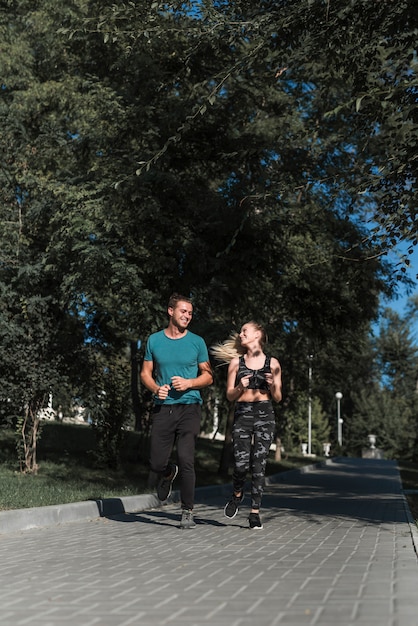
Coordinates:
181	315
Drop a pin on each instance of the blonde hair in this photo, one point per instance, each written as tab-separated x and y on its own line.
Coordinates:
225	351
229	349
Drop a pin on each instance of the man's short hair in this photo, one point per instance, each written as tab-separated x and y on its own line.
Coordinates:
175	298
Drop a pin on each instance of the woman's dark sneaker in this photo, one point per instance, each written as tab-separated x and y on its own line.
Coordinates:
255	521
231	508
166	483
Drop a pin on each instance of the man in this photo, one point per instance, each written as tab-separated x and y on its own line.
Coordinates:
176	366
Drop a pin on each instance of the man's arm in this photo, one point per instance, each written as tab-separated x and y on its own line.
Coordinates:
147	377
204	379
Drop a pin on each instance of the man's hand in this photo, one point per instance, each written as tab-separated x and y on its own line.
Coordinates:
162	392
180	384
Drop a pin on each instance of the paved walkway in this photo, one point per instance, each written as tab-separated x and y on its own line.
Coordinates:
337	548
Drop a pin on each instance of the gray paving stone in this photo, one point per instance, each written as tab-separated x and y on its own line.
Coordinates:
338	548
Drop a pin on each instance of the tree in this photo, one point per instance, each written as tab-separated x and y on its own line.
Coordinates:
397	354
388	405
297	425
200	148
391	418
30	367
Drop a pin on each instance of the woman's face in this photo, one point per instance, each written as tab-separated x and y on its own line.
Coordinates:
249	334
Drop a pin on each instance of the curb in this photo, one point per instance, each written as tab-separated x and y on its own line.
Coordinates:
37	517
411	521
412	524
278	478
25	519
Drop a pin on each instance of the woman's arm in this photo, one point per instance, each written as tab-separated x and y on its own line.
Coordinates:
274	380
234	392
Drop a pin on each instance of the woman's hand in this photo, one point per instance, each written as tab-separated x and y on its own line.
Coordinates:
269	379
244	383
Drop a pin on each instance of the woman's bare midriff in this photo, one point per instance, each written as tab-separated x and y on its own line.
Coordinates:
253	395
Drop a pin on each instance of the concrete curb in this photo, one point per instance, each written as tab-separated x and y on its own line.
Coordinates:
412	525
411	521
278	478
128	504
26	519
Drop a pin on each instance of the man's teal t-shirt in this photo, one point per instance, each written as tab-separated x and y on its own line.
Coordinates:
176	357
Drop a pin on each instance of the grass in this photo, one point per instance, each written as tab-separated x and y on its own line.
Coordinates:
68	471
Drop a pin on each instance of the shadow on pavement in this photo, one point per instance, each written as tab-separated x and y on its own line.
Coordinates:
161	518
363	489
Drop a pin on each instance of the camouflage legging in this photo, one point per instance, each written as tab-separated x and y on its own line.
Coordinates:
252	433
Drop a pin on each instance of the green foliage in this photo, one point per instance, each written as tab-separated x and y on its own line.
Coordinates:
388	406
110	407
30	367
260	158
297	425
397	355
390	418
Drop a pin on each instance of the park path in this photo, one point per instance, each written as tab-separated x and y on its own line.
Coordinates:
337	549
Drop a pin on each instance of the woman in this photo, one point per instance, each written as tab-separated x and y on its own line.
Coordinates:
254	380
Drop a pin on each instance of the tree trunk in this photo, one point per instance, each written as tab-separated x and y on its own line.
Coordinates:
29	432
136	404
278	453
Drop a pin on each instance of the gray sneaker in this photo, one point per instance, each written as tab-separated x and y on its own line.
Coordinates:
187	520
165	485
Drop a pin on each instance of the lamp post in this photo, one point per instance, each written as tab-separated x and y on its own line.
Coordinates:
338	397
310	357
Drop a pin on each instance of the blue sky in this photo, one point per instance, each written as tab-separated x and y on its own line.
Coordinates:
400	303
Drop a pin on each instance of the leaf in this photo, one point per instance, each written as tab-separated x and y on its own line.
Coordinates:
358	103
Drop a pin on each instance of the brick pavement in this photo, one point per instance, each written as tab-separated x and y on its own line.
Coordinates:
337	548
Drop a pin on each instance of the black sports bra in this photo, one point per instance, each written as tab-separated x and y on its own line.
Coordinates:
258	377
